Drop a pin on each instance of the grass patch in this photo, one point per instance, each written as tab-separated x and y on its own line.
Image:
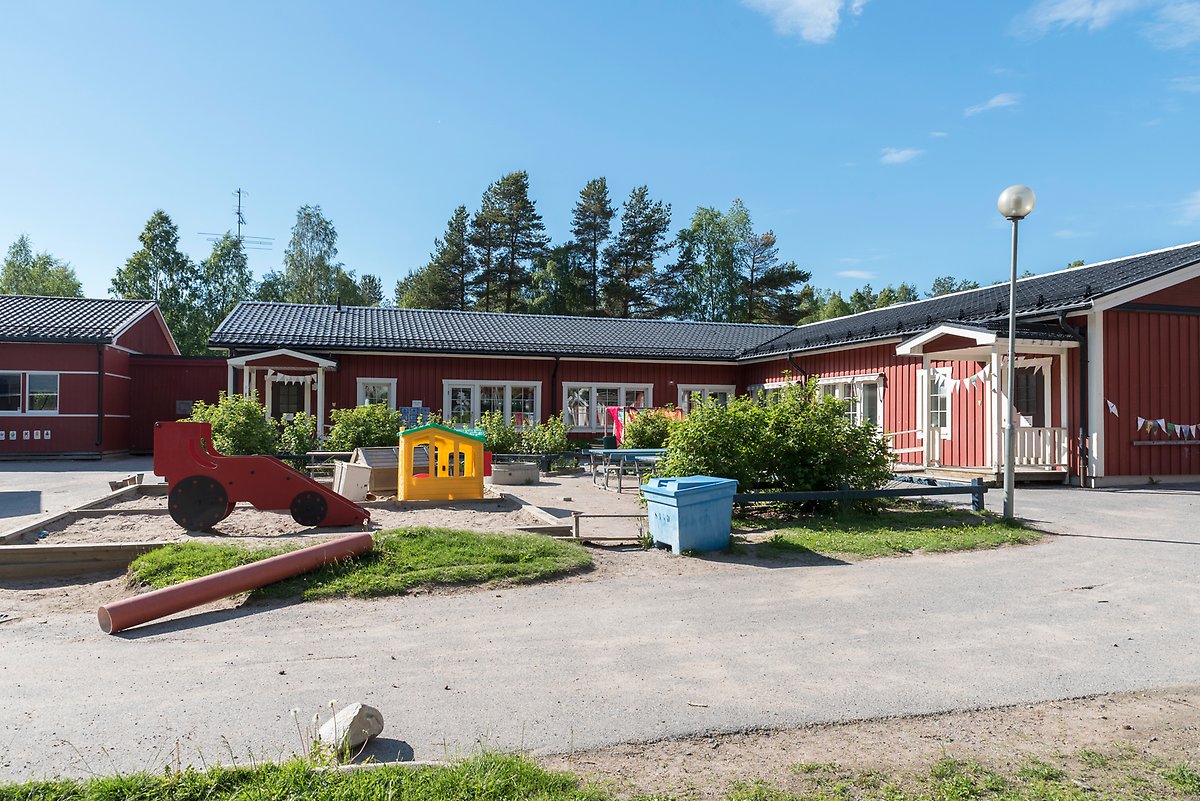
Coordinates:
401	560
901	529
496	777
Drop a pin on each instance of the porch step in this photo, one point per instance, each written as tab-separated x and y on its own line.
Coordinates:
1024	475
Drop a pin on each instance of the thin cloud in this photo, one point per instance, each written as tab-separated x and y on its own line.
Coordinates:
813	21
896	155
1190	209
1048	15
1002	100
1176	25
1186	83
938	134
861	275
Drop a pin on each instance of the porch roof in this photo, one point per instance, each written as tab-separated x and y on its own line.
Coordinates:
282	357
955	337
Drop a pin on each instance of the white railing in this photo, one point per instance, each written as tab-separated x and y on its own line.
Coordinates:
1042	447
893	437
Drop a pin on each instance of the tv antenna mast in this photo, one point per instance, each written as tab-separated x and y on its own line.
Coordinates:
248	242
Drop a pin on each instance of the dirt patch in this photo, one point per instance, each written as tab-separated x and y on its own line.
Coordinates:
1158	725
251	526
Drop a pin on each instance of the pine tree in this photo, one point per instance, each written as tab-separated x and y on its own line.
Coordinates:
592	227
770	293
456	261
560	282
370	290
27	274
484	237
627	288
310	269
159	272
521	238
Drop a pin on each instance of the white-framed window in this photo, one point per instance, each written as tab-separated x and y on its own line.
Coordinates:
1030	397
10	393
934	409
463	402
377	390
863	395
40	395
719	392
585	405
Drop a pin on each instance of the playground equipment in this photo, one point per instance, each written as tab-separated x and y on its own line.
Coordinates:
455	464
120	615
206	485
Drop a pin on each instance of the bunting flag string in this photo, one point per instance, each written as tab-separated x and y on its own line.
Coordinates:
1149	425
1112	407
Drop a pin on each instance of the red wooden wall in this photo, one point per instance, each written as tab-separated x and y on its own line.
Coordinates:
147	335
159	383
1151	365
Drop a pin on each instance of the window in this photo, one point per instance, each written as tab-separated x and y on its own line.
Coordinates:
585	405
1029	396
463	402
10	392
287	399
721	393
377	390
939	399
41	393
861	393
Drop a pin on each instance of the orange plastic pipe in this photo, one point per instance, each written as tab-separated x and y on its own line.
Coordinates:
121	615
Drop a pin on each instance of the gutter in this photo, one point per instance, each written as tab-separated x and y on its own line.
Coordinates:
1080	337
792	361
554	410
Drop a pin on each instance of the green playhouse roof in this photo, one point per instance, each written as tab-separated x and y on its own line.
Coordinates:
456	432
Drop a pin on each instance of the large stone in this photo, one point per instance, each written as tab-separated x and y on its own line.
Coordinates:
351	727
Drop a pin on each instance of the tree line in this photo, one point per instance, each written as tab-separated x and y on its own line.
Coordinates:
619	262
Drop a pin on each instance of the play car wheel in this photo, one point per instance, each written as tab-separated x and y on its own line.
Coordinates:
309	508
198	503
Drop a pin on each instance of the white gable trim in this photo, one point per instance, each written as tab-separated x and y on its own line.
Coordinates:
1144	288
242	361
914	346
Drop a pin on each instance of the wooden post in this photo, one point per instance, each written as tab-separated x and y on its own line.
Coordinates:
977	494
575	524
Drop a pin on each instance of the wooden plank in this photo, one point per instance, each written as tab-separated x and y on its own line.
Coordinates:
37	525
837	495
132	491
69	559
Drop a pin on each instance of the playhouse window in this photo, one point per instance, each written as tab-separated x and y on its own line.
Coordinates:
41	393
10	392
585	405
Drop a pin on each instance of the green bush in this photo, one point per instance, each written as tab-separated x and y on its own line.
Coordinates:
371	426
240	424
647	429
799	441
297	437
501	436
548	437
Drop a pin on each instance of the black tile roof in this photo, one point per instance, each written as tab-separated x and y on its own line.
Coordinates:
1065	290
258	326
25	318
254	326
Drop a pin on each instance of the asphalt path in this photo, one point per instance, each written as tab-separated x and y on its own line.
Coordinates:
1109	605
31	490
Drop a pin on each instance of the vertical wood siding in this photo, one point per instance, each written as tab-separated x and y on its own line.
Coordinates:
1151	365
157	382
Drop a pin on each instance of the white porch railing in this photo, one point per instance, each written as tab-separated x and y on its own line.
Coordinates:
893	438
1042	447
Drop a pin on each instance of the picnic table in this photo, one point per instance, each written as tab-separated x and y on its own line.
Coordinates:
607	462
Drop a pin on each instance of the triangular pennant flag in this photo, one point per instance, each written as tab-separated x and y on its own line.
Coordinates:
1170	429
1112	407
1162	423
1141	423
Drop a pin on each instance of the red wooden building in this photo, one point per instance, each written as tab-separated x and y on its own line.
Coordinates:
66	376
1108	357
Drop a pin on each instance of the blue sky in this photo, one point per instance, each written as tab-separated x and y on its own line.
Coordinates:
872	137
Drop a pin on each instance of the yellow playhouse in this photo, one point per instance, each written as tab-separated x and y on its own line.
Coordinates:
440	464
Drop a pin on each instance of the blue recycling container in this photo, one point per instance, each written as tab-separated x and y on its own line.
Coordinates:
693	513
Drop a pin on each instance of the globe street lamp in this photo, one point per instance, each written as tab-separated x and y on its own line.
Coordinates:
1015	204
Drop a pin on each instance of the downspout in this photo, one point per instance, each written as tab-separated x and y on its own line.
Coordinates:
1081	338
792	361
554	410
99	396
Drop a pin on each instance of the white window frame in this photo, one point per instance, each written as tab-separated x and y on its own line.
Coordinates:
596	420
20	393
849	388
29	410
449	384
1042	365
361	385
923	377
686	391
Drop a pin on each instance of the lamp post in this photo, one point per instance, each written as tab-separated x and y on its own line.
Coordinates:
1014	205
